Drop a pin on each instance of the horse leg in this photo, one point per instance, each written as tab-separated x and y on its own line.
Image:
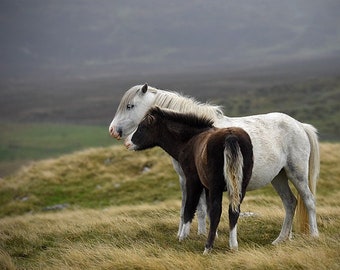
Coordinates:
233	218
201	214
194	190
182	185
299	178
184	198
300	182
201	206
280	184
206	191
215	211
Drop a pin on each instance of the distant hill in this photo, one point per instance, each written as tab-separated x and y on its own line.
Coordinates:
308	91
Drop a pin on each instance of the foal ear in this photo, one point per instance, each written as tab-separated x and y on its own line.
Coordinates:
144	88
149	119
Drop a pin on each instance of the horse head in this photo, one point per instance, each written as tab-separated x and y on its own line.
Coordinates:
131	110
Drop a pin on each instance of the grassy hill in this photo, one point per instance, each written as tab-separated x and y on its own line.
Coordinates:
107	208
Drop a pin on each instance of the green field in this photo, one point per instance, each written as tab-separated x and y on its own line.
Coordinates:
22	143
108	208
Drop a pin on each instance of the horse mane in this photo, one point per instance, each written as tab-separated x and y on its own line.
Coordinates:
177	102
174	101
189	119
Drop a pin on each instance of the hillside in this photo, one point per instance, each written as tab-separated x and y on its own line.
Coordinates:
113	209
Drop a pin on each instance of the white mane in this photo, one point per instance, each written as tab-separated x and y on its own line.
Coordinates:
180	103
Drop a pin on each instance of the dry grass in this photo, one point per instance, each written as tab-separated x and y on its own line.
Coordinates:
143	236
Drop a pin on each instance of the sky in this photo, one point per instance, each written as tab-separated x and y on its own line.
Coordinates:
82	38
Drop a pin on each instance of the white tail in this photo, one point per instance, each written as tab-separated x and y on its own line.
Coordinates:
314	170
233	171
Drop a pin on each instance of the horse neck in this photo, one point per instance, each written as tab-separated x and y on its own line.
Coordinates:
175	136
177	102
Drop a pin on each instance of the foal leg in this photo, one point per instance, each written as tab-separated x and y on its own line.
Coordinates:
215	211
194	190
233	218
280	184
206	191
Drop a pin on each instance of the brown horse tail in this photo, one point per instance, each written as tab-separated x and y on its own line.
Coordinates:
314	169
233	170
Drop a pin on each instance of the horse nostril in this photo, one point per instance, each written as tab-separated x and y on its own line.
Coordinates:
120	132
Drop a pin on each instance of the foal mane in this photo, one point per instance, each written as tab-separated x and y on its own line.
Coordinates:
189	119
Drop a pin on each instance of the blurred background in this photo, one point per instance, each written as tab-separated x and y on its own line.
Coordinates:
64	65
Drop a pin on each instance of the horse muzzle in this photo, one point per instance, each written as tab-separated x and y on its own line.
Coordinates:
129	144
115	133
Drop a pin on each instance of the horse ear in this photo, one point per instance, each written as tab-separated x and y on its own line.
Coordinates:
144	88
150	119
157	109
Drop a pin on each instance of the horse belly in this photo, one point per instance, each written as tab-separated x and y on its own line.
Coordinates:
257	183
263	173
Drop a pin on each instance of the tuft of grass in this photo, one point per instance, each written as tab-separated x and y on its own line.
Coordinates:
124	216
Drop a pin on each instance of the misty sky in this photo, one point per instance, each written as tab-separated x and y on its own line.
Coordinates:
82	37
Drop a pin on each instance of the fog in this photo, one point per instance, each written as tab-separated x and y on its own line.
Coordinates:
83	38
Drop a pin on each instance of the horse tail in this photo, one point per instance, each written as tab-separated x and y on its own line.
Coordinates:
233	170
313	174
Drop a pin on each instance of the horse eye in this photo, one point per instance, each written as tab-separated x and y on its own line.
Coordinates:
129	106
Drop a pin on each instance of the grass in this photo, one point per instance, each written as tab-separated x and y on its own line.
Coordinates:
121	215
37	141
143	237
96	177
24	142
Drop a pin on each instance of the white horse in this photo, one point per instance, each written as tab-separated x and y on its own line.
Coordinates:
283	147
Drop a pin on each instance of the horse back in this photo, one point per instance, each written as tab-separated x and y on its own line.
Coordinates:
207	152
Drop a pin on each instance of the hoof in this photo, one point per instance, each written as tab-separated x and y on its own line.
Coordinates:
233	249
275	242
315	234
279	241
207	251
185	231
181	238
202	231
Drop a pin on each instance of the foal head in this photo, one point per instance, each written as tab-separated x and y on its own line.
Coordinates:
161	125
145	135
